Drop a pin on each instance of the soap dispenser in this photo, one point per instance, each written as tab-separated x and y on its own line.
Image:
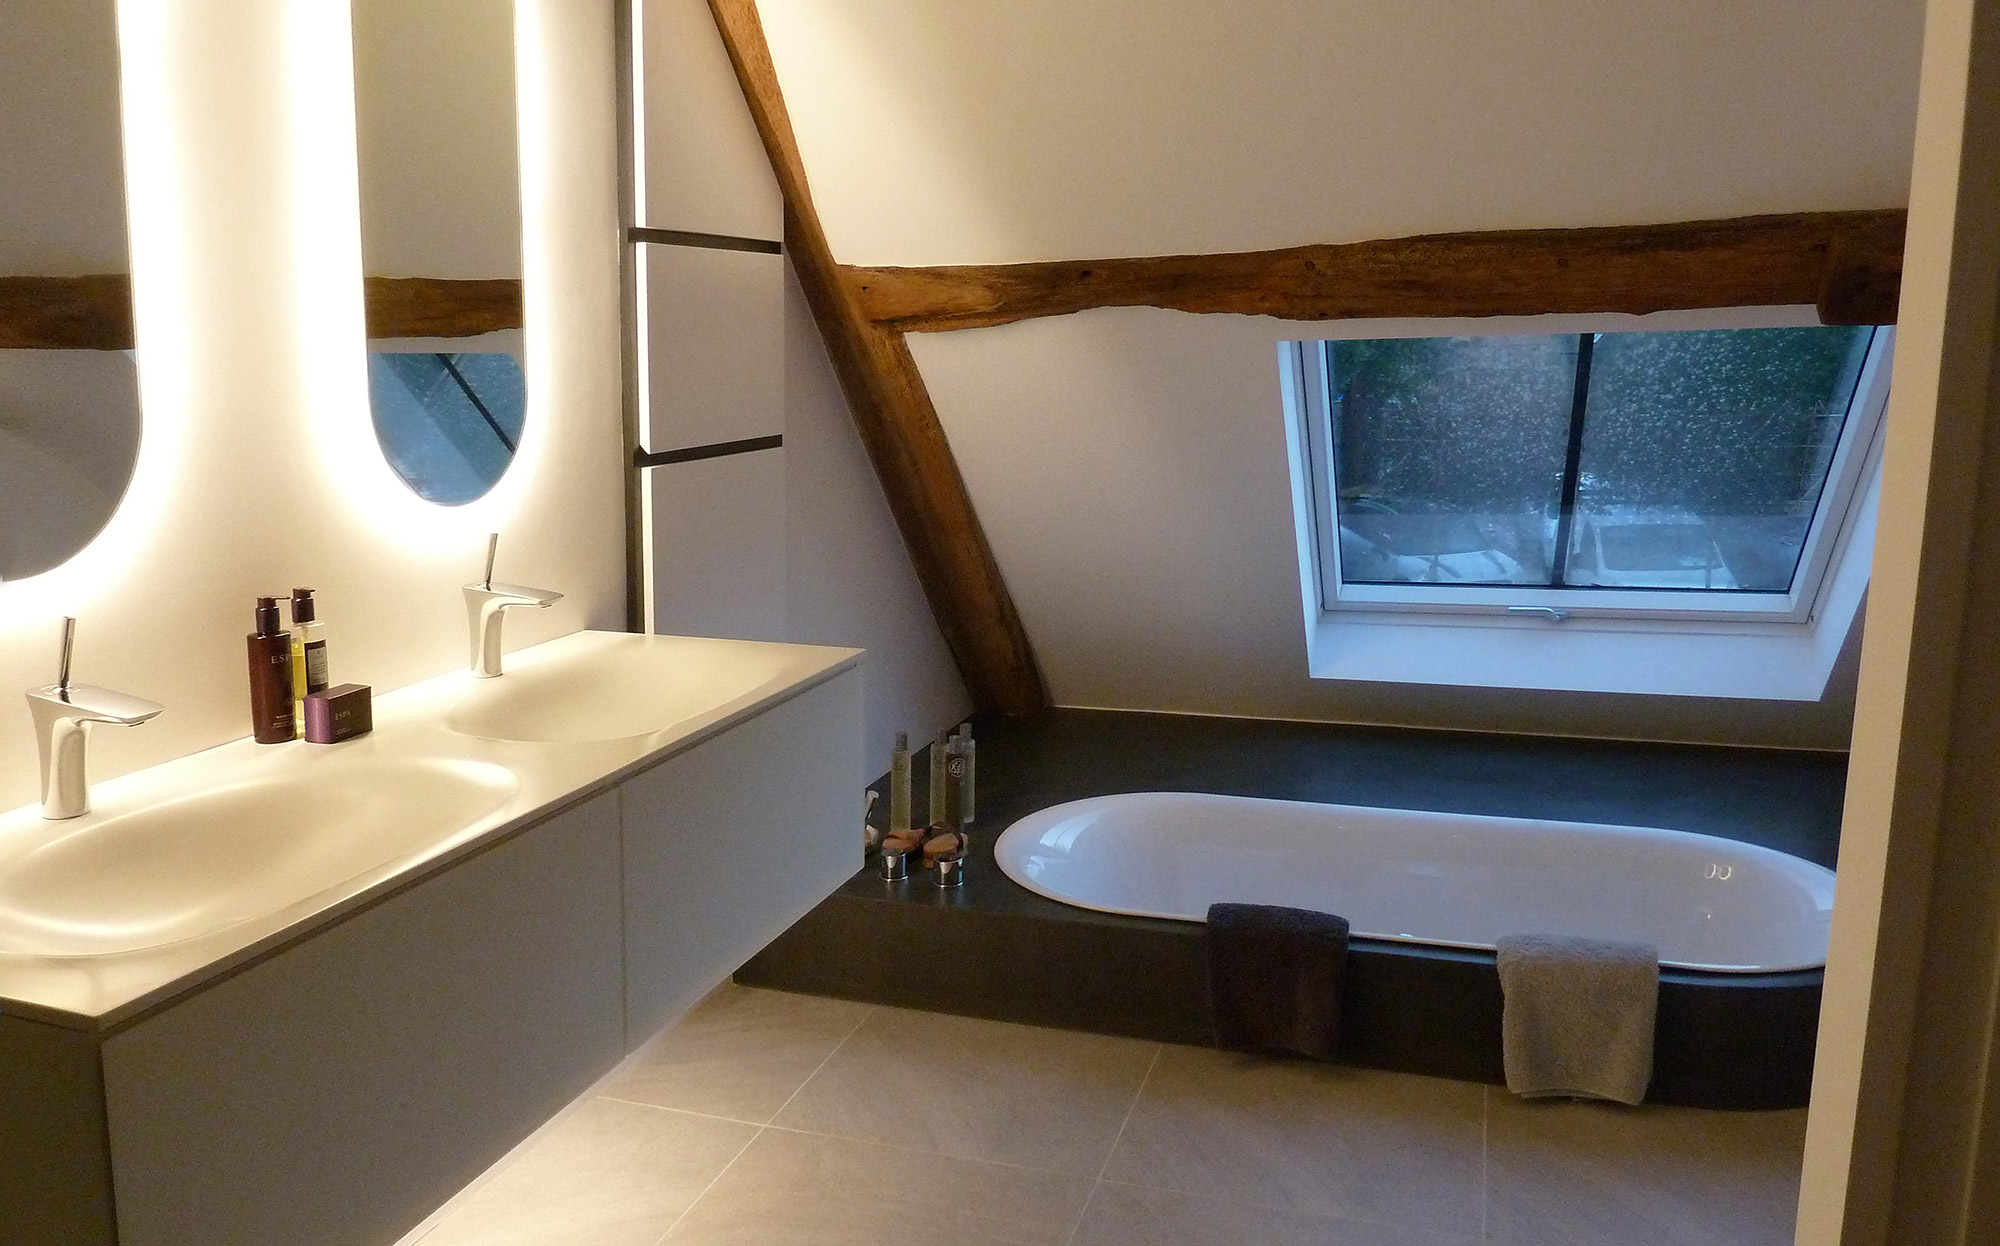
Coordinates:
271	678
309	672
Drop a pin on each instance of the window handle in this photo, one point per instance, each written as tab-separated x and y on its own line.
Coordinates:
1554	615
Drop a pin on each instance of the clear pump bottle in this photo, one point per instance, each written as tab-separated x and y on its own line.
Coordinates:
309	668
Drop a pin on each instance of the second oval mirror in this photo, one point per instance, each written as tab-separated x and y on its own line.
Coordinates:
439	149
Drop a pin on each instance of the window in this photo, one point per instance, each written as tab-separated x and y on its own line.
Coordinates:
1690	474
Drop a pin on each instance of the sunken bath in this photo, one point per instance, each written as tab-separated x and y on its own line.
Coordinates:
996	949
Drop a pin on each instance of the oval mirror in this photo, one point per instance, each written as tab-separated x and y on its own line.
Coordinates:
439	152
69	389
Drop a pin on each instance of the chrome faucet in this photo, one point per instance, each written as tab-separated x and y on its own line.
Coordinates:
483	603
63	713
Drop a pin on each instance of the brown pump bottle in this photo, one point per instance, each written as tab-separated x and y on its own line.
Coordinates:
271	719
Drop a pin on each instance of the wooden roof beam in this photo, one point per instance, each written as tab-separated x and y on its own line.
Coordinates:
895	417
1848	264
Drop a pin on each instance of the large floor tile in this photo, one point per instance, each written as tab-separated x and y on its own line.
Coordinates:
609	1174
984	1090
1325	1140
1130	1215
793	1189
741	1054
1588	1174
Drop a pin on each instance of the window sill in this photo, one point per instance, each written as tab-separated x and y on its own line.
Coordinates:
1746	661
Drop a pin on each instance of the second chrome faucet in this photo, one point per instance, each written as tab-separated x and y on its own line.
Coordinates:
484	603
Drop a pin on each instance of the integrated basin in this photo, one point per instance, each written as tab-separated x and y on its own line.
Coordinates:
614	686
191	866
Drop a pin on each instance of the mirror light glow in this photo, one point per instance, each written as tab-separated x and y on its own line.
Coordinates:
332	342
155	197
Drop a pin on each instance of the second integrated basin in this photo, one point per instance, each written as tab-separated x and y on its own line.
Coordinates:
596	686
190	866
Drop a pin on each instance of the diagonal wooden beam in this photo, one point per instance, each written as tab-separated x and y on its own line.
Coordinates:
893	412
1848	264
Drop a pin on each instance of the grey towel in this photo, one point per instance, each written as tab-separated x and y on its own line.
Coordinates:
1578	1018
1274	978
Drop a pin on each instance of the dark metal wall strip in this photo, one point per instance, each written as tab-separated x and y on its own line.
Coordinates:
712	242
715	450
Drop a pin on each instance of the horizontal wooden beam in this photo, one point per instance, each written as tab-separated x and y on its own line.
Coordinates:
893	413
95	312
1848	264
66	313
436	307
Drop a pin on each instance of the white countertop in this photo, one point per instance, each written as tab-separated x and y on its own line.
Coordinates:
101	991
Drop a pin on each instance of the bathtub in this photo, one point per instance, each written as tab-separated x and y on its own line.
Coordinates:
1440	880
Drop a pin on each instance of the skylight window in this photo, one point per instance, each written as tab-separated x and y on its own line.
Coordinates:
1699	473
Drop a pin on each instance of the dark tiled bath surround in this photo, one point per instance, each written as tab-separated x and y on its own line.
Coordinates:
994	949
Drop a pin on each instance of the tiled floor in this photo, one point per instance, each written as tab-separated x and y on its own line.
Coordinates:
790	1119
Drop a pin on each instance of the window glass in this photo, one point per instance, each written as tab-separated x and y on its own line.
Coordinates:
1691	461
448	423
1705	453
1449	456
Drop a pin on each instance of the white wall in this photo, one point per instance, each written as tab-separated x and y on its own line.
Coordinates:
984	131
848	576
258	470
62	207
1129	465
794	543
435	114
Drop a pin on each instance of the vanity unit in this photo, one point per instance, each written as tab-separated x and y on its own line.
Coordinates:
304	994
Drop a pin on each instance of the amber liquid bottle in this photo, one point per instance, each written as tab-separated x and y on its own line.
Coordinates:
271	678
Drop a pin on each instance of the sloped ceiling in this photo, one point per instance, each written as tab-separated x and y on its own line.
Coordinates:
1129	465
986	131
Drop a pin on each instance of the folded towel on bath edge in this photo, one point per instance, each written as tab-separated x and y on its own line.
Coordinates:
1274	978
1578	1016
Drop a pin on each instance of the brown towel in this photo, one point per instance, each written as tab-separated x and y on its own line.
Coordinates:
1274	978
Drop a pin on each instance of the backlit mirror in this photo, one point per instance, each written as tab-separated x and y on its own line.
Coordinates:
69	392
439	152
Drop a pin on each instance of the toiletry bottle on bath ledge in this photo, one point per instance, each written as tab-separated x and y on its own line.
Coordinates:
936	789
271	720
958	764
899	784
309	673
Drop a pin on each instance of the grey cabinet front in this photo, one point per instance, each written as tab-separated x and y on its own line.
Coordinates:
339	1091
732	841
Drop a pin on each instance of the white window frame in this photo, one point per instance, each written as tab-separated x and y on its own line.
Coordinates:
1479	604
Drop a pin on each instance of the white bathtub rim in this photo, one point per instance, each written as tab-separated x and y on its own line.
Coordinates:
1006	855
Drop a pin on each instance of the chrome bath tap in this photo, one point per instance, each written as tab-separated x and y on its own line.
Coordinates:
63	713
484	603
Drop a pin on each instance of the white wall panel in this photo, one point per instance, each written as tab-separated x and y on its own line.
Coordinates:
718	541
715	345
848	578
703	167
